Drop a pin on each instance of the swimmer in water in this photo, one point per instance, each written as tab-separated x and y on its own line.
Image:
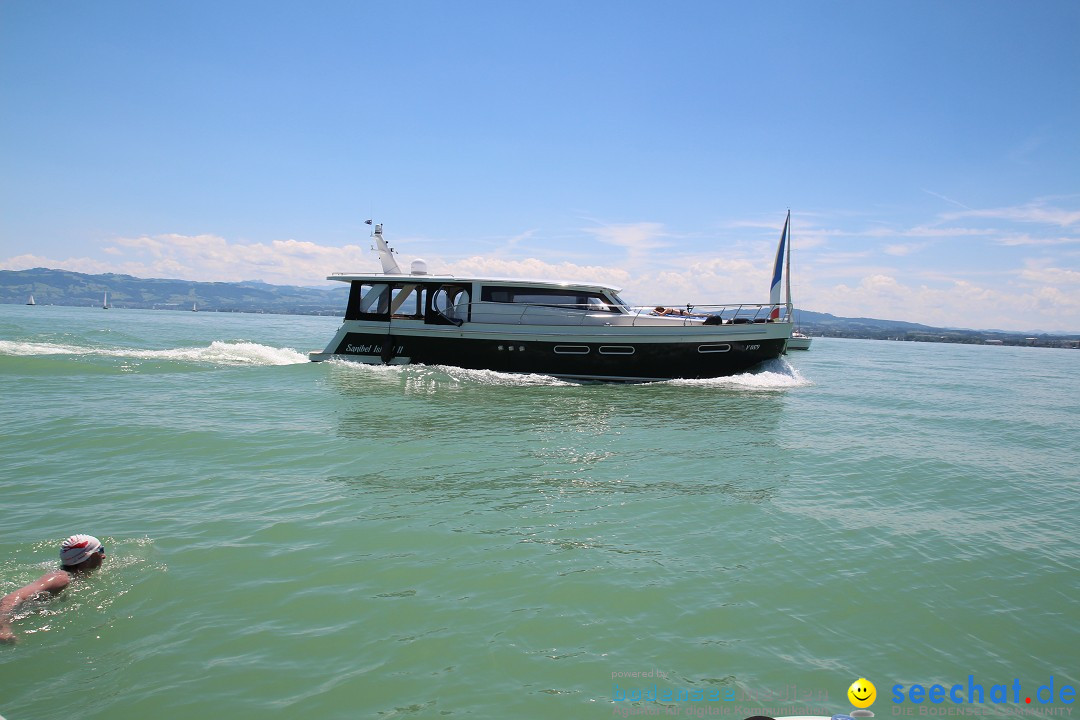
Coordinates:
78	554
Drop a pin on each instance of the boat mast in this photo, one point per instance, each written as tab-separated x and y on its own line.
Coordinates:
386	254
787	269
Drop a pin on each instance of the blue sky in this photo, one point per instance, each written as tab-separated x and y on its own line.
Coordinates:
929	152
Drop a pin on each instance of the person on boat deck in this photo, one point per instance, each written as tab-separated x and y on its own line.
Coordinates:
78	554
661	310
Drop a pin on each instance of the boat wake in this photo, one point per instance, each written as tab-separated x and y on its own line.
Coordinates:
771	375
776	374
417	372
216	353
491	377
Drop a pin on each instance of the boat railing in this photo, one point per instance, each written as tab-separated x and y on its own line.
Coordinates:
571	314
728	314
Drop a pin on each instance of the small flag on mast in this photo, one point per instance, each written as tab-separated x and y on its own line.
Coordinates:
367	222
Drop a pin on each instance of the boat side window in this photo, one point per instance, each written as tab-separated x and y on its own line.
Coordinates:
408	301
368	301
449	305
452	301
572	299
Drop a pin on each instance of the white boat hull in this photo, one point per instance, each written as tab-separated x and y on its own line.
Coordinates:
799	343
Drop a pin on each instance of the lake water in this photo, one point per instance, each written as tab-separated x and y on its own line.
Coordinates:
328	540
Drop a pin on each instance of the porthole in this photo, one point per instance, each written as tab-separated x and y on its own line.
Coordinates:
715	348
571	349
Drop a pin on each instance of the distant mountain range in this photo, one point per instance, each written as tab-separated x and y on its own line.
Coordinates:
825	325
62	287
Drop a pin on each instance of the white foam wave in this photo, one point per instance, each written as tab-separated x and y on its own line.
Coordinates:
772	375
217	353
20	348
226	353
361	367
492	377
448	373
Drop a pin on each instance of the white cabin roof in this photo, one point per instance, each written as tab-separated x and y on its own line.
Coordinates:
426	278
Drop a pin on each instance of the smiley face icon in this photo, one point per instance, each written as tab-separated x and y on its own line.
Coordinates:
862	693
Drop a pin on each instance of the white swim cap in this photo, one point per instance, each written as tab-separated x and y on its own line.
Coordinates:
78	548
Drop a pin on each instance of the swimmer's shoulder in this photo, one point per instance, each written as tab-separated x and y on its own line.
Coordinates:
52	582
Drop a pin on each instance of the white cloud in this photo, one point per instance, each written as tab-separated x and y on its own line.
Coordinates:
835	257
532	268
1025	239
77	264
902	250
512	243
211	258
1021	306
946	199
919	231
1053	277
636	237
1034	212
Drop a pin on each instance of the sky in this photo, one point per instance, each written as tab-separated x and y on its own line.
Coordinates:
929	152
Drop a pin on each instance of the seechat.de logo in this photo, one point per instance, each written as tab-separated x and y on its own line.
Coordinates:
976	693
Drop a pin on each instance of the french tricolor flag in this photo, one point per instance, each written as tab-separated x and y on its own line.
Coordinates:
778	270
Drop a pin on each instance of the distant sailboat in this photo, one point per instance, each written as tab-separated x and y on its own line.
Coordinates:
194	307
31	300
105	302
799	341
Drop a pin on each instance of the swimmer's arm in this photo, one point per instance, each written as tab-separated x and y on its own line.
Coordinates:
52	583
